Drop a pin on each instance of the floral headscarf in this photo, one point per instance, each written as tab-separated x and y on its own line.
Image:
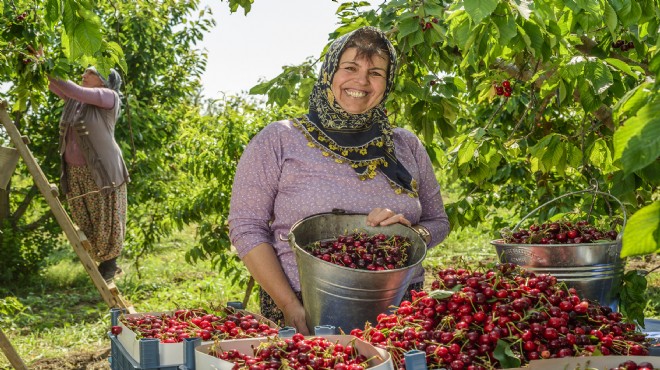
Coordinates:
362	140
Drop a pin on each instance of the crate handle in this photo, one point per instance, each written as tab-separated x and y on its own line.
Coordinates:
594	191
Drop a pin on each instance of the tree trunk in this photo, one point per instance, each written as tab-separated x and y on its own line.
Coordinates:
5	212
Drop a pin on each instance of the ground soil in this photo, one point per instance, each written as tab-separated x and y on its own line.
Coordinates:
76	361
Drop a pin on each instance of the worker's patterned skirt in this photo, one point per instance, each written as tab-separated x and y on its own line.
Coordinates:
101	215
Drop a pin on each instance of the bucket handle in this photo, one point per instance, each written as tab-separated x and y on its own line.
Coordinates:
335	211
623	209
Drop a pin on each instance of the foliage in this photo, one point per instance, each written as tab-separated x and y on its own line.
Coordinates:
207	154
581	110
160	68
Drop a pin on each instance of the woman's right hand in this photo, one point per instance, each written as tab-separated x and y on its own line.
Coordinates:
385	216
294	316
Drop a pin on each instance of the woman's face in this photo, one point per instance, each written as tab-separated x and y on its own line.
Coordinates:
91	79
359	84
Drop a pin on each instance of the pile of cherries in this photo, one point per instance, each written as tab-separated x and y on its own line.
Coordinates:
186	323
297	352
559	232
362	251
474	319
632	365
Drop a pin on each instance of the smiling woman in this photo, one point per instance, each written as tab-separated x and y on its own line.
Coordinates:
344	154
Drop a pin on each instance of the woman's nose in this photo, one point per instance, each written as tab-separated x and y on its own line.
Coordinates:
363	77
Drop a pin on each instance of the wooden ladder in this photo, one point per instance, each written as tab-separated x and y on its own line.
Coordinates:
76	237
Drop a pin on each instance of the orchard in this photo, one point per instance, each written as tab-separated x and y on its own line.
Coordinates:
517	102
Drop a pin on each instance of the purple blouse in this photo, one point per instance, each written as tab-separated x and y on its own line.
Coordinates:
281	180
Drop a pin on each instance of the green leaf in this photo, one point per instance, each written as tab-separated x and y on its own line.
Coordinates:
622	66
52	12
528	41
573	69
467	151
601	156
479	9
505	355
535	37
506	25
440	294
654	65
549	153
637	142
632	101
117	55
407	27
599	76
642	233
610	18
85	40
588	99
262	88
416	38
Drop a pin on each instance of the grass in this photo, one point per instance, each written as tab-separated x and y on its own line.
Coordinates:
60	312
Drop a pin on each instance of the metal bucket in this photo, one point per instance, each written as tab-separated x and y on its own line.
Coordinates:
595	270
344	297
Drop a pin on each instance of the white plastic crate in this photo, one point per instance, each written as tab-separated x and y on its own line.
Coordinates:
379	358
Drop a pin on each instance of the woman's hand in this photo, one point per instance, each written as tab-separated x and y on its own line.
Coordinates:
294	316
384	217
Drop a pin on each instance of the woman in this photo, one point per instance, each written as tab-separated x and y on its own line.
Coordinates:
343	154
94	174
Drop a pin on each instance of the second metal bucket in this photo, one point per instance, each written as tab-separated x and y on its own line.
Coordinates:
595	270
344	297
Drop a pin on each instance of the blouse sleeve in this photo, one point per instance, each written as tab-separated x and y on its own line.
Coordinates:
101	97
254	190
433	217
53	86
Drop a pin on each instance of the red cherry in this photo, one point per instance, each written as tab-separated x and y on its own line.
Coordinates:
506	83
507	93
116	330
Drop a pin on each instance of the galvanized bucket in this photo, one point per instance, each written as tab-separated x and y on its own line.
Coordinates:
595	270
344	297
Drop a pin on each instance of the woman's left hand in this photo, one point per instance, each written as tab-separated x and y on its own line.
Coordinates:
385	216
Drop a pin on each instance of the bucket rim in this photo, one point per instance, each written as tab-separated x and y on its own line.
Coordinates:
292	242
360	271
502	243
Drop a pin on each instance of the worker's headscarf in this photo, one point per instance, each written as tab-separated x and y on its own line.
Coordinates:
364	141
111	81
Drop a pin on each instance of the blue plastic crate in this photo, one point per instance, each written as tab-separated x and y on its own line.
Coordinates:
149	356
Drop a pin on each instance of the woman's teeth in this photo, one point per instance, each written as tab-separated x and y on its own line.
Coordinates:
356	94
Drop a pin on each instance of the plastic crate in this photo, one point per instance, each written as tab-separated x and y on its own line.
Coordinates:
379	359
149	356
